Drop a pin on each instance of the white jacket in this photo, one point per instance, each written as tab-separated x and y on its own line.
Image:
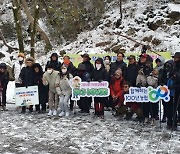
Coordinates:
64	87
17	70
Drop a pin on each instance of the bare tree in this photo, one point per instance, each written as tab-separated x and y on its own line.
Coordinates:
33	31
39	29
17	19
5	43
119	21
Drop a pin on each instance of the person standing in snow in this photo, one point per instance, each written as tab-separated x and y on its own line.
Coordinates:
54	62
176	80
17	67
166	78
64	90
132	70
85	102
49	78
72	70
99	74
146	67
26	78
43	90
86	61
116	92
119	64
4	79
159	66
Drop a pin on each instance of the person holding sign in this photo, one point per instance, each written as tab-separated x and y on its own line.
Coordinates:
64	90
26	78
85	102
99	74
49	78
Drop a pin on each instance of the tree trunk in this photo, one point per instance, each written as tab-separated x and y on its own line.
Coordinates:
31	20
33	31
5	43
17	19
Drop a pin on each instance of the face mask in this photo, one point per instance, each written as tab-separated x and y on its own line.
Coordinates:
49	71
20	58
98	66
106	61
64	71
66	61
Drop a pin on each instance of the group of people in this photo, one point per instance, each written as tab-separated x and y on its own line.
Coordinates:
54	85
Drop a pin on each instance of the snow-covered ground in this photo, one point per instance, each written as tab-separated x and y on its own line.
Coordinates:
36	133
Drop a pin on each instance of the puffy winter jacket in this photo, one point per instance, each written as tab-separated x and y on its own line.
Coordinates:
50	79
17	67
64	85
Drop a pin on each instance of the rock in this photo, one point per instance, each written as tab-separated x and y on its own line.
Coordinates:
155	25
108	23
116	48
1	55
147	39
156	41
103	43
131	31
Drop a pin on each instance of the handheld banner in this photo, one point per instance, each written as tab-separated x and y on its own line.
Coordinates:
148	94
88	89
27	96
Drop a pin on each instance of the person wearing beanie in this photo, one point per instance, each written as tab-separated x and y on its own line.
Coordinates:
54	62
4	79
49	78
17	67
26	78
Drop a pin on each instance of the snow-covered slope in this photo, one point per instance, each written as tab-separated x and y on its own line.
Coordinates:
153	23
158	27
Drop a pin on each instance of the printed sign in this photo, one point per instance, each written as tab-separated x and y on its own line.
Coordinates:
27	96
88	89
148	94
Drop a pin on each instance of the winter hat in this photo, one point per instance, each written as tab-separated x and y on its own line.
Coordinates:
131	57
21	55
54	55
86	55
118	72
3	66
99	60
144	55
30	59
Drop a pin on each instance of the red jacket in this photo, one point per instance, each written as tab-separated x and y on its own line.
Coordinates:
116	89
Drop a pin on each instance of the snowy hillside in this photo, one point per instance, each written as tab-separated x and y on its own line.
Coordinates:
158	27
148	22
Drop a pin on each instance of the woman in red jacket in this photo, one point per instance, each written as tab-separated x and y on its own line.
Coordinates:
117	94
